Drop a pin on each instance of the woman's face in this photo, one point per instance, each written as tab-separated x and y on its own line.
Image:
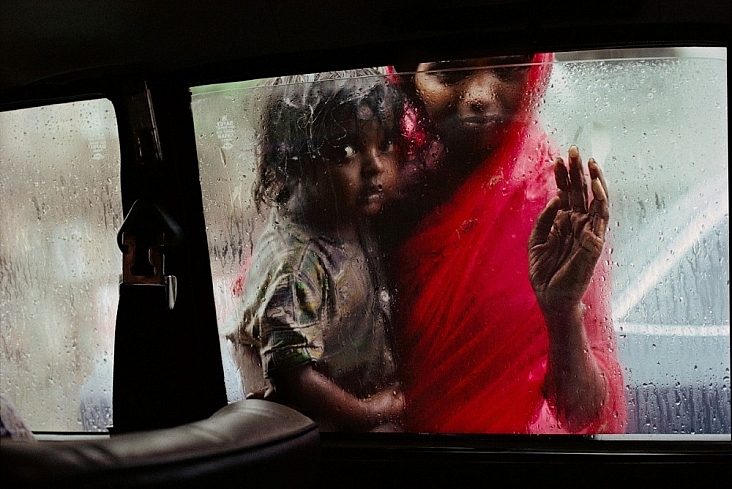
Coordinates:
471	102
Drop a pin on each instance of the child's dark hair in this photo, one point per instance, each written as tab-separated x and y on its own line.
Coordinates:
301	124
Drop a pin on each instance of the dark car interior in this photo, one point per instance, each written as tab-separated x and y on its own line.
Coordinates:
173	424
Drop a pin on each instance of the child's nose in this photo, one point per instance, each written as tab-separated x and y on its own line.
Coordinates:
375	160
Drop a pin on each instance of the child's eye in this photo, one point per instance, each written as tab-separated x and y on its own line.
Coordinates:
338	154
348	151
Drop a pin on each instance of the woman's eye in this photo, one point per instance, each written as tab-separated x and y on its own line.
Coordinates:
387	146
451	77
511	72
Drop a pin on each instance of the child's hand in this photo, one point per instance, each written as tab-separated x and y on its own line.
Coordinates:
267	393
568	237
318	397
388	406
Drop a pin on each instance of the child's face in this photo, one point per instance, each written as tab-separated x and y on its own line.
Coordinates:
359	173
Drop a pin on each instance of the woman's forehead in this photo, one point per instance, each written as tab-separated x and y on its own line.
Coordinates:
476	62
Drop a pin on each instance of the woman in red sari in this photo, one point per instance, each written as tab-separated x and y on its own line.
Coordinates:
494	339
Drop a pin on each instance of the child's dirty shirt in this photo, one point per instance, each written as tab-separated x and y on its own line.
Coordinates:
311	298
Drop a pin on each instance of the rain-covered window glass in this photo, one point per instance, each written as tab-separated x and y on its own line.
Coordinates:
521	244
59	263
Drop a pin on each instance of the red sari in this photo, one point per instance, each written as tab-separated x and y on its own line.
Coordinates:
473	342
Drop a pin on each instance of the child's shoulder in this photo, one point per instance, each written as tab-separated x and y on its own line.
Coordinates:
291	244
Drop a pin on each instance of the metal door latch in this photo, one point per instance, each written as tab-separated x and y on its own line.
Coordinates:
145	237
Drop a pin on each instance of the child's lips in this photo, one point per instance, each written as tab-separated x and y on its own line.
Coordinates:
372	193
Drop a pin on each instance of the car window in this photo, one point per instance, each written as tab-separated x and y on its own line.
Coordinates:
60	194
656	123
659	128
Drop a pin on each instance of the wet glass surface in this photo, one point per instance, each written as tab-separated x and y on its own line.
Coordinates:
659	128
59	262
656	122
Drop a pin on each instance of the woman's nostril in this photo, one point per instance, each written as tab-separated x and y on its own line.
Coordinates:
476	105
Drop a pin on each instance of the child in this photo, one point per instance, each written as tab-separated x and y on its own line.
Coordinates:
315	303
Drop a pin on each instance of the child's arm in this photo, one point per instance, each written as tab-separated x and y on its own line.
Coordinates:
316	396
